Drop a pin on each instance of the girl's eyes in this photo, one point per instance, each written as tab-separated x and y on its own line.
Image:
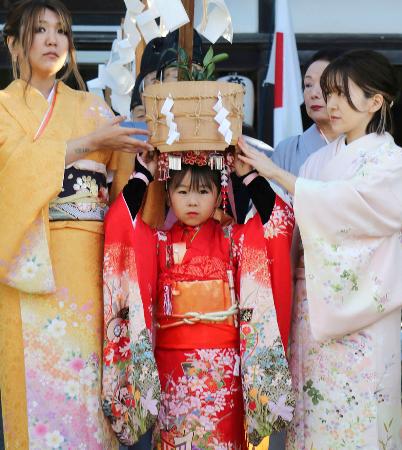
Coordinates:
308	85
201	191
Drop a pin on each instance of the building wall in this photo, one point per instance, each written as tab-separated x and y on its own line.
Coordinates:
347	16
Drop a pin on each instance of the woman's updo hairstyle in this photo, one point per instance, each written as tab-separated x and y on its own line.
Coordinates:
327	54
373	74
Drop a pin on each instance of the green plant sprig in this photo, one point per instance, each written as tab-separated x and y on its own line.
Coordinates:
207	71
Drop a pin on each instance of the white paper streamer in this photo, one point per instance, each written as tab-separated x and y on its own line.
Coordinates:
131	30
126	53
220	118
120	80
118	72
134	6
97	85
173	134
172	13
121	103
217	23
147	25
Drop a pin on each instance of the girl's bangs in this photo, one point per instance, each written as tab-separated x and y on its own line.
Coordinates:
199	177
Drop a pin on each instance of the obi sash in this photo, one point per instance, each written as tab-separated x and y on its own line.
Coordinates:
84	195
200	314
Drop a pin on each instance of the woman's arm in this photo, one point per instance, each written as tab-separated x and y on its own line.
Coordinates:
261	194
109	136
134	191
266	167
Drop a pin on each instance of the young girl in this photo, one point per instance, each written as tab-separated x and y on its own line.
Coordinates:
345	345
190	289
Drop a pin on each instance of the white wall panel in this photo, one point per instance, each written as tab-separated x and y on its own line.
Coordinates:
347	16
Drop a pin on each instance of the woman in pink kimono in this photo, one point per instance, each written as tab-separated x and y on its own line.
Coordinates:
345	345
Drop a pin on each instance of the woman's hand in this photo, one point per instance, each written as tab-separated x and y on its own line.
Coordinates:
241	168
266	167
257	160
111	136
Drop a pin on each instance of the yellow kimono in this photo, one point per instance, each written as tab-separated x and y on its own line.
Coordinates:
51	308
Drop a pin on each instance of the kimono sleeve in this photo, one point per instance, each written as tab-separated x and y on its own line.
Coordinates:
278	232
267	387
130	386
351	233
31	174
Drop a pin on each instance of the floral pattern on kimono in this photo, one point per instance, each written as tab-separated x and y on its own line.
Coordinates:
345	344
200	398
130	282
50	277
59	372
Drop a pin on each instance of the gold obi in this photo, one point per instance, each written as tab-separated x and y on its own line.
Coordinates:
211	301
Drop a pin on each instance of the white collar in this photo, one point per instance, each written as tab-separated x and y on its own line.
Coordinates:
51	94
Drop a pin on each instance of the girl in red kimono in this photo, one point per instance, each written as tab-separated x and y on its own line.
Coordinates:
191	333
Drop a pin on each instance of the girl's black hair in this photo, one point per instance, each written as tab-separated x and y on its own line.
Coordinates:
373	74
200	176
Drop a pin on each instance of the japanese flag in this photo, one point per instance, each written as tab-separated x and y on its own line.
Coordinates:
284	74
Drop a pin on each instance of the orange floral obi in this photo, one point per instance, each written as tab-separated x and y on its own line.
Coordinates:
205	310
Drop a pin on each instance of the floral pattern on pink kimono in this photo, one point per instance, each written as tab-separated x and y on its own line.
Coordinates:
345	345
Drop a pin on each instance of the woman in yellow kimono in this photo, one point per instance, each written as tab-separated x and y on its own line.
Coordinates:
56	145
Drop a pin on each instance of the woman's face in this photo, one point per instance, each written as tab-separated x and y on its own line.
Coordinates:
193	207
344	119
313	99
49	48
138	113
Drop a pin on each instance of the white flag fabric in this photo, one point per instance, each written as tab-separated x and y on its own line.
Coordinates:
284	74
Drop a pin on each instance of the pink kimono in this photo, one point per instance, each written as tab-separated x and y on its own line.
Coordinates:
345	344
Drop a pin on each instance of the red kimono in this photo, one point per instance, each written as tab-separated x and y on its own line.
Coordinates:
191	333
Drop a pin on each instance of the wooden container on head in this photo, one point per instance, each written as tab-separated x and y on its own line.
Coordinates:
193	113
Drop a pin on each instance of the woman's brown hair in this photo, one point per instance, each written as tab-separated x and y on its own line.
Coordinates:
373	74
20	27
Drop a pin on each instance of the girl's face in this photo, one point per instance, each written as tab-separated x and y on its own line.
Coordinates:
344	119
313	99
49	48
193	207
